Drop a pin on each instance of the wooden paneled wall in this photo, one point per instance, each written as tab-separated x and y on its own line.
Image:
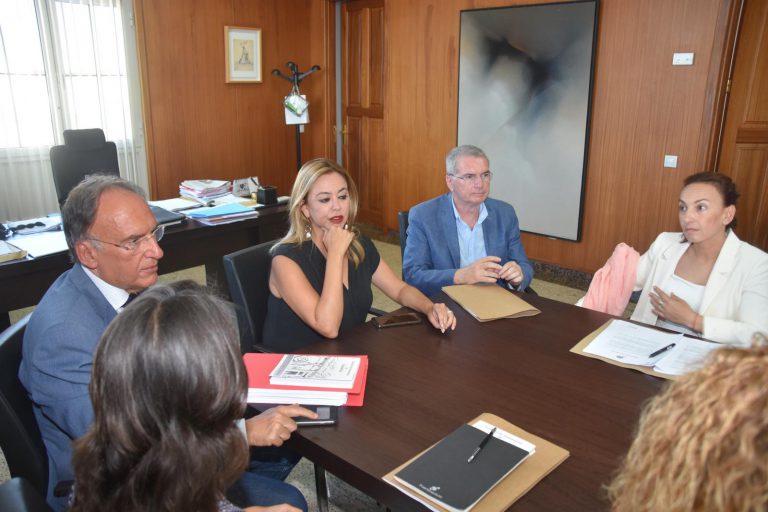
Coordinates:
643	108
198	126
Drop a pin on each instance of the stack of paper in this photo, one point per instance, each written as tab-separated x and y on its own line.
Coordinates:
231	212
9	252
204	189
509	464
646	349
319	380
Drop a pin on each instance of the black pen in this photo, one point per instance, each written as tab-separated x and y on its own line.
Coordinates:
662	350
481	445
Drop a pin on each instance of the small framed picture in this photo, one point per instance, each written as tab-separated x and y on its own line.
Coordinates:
242	49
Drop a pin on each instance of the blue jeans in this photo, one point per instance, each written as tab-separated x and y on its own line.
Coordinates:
262	482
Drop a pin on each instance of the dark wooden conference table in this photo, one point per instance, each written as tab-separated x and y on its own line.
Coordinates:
423	384
24	282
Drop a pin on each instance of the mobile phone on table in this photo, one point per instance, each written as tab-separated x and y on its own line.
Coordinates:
326	415
395	319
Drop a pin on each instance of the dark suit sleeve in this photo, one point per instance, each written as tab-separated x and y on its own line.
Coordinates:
516	252
418	265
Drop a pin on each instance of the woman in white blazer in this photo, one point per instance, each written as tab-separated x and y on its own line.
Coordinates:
705	280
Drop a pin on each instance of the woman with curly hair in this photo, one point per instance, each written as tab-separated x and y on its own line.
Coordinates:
702	444
168	385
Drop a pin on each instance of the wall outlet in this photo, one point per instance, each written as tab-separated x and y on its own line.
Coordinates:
682	59
670	161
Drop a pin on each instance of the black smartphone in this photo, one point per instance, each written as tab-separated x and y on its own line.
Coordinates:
326	415
393	320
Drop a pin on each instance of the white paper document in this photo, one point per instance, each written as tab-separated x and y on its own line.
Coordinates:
634	344
505	436
686	357
295	396
41	244
176	204
316	371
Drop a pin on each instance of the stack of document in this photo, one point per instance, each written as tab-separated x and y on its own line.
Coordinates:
222	214
10	252
485	465
445	473
204	189
636	346
306	379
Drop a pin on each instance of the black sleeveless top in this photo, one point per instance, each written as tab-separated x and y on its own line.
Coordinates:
284	331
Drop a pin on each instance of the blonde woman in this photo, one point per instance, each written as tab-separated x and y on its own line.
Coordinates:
322	270
702	444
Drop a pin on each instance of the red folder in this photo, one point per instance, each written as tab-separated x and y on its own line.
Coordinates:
259	366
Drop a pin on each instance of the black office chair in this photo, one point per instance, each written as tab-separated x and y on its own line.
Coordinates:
84	152
19	435
402	218
247	274
18	495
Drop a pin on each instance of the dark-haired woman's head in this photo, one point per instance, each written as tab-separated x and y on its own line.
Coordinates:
707	206
168	384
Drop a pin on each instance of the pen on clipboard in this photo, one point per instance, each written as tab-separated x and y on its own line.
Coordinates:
662	350
481	445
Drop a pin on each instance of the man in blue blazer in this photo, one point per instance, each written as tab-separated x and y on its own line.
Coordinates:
465	237
113	238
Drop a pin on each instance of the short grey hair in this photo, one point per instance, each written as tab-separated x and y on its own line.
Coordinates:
79	211
460	151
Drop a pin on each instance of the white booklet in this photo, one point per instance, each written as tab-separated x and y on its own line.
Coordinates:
669	353
316	371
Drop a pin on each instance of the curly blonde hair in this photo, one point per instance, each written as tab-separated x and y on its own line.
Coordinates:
702	444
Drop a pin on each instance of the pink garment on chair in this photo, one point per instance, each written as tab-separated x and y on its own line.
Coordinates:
612	285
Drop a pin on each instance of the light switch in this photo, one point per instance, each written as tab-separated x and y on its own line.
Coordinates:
682	59
670	161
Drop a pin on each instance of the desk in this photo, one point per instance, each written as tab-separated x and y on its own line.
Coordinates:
422	385
24	282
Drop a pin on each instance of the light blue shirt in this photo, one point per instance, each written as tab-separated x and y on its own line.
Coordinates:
471	241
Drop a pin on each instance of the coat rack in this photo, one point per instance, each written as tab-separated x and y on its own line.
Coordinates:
296	78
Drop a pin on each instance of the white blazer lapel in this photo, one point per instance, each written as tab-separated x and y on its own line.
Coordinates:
721	272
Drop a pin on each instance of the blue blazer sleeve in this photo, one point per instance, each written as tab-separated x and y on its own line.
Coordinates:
422	267
515	251
60	377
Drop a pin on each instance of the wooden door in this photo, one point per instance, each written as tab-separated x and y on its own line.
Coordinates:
363	52
744	148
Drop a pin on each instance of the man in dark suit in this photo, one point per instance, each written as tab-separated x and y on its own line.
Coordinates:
113	238
465	237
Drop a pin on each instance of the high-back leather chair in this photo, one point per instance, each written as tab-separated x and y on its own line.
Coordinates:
84	152
20	437
247	274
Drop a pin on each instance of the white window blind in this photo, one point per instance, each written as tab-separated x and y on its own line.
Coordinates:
64	65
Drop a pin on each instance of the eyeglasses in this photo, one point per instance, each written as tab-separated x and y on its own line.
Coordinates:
136	243
473	178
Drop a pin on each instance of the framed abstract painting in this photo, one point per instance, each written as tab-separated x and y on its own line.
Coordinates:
525	82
